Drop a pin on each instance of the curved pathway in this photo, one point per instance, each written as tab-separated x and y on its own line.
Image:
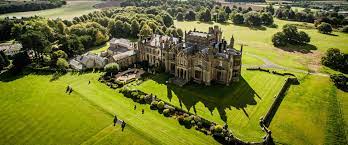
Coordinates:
270	64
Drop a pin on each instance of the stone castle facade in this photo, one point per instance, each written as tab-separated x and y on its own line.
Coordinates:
202	57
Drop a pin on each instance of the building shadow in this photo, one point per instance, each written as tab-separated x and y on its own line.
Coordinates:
216	96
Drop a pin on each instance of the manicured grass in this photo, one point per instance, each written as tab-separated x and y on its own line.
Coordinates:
259	42
68	11
314	112
35	110
252	61
240	105
101	48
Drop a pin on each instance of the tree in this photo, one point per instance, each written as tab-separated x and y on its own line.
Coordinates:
222	17
180	32
238	19
205	15
36	41
20	60
61	27
335	59
116	28
180	16
112	67
3	60
167	19
146	31
190	16
135	28
58	54
127	28
267	19
252	19
341	81
303	37
62	64
270	9
325	28
279	39
290	35
228	10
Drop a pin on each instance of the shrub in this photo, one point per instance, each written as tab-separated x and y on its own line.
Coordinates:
142	98
345	29
238	19
154	105
181	119
180	16
252	19
336	60
217	129
187	121
160	105
290	35
340	81
114	86
148	99
112	67
166	112
62	64
279	39
134	94
325	28
206	123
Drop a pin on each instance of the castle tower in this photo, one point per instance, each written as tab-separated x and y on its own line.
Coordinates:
232	42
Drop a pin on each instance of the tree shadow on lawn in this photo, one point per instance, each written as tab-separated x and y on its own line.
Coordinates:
307	48
238	95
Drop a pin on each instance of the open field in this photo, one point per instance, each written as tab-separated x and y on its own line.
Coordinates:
240	105
258	41
314	112
36	110
68	11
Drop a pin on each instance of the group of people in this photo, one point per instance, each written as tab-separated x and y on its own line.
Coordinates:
68	89
123	123
142	111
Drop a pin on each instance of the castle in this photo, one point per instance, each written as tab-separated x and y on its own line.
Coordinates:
203	57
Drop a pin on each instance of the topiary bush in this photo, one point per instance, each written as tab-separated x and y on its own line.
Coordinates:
181	119
166	112
154	105
160	105
217	129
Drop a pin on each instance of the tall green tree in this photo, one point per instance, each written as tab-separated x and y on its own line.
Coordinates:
146	31
135	28
35	41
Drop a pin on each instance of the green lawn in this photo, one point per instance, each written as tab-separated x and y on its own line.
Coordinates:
312	113
35	110
259	42
68	11
101	48
240	105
